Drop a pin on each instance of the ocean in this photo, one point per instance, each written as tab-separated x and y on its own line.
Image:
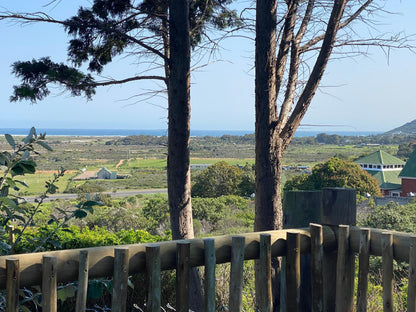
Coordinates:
162	132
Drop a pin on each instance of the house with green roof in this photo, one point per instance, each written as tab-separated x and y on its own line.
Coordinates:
104	173
386	169
408	176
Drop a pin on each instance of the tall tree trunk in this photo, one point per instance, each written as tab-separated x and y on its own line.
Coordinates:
268	153
268	203
179	174
273	132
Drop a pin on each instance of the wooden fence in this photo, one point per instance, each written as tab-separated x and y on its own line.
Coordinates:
321	242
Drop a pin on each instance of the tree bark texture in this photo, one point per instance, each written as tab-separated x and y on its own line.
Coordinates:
273	129
179	174
268	155
179	178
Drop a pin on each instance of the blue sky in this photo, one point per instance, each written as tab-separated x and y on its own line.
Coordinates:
361	94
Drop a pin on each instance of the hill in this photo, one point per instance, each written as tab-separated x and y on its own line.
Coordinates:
407	128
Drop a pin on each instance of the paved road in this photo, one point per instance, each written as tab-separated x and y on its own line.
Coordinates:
121	193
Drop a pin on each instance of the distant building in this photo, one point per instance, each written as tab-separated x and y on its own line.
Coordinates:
386	169
104	173
408	176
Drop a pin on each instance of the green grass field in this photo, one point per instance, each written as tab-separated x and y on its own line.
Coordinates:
146	167
36	183
156	163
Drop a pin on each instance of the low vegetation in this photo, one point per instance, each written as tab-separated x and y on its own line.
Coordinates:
221	201
336	172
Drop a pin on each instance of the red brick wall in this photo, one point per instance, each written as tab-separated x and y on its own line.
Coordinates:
408	185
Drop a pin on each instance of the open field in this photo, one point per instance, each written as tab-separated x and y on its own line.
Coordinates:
145	164
36	183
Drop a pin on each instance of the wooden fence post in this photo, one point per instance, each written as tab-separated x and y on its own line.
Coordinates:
209	280
49	292
265	298
338	207
387	265
293	272
363	269
182	276
344	278
411	289
317	258
121	273
12	285
153	278
236	275
82	281
331	206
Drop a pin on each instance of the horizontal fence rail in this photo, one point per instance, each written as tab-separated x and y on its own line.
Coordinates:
101	259
323	243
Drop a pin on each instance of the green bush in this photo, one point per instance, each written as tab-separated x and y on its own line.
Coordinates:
225	214
116	219
88	187
335	173
74	237
156	211
393	217
223	179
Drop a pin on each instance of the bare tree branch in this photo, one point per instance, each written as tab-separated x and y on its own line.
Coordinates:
344	24
316	75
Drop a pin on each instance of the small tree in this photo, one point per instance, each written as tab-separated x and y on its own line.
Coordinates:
223	179
336	173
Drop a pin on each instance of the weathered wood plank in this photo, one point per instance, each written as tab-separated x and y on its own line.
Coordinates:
153	278
82	281
411	290
209	275
339	206
317	255
363	269
12	285
293	272
387	259
182	276
236	276
121	274
101	259
264	292
345	273
49	292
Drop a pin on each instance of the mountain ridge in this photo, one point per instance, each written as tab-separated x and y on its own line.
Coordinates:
407	128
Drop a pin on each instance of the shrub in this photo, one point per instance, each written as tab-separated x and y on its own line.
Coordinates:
335	173
223	179
393	217
74	237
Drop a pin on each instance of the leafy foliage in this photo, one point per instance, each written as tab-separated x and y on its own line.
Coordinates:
109	29
37	74
393	217
405	149
335	173
223	179
17	215
75	237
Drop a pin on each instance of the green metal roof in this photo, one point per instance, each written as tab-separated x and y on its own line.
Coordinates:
379	158
387	179
409	170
